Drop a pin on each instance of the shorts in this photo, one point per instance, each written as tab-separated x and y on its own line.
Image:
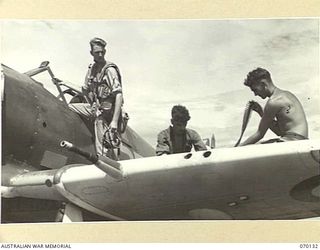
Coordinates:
289	136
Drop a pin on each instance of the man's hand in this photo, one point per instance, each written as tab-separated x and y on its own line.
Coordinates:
256	107
115	137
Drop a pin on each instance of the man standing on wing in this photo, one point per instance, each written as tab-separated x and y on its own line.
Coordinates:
283	113
103	91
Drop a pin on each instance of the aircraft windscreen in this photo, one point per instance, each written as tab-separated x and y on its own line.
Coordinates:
46	81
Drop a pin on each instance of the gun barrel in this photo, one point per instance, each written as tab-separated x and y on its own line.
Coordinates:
90	157
107	165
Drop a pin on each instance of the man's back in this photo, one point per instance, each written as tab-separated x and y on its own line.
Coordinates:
291	117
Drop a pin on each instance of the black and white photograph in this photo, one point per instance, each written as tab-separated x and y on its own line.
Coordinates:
160	120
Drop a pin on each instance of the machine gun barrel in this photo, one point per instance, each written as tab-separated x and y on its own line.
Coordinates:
90	157
110	167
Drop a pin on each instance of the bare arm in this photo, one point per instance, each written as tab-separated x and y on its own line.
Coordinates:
117	91
117	110
274	126
266	122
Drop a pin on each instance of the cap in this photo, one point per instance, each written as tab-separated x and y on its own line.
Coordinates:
97	42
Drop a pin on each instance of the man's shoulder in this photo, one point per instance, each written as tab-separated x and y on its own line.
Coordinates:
192	132
164	132
282	98
274	104
289	96
110	65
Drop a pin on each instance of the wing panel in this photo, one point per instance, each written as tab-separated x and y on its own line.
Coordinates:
253	182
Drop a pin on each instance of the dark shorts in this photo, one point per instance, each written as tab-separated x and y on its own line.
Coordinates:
289	136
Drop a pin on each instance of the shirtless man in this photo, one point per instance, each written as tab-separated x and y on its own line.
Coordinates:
283	113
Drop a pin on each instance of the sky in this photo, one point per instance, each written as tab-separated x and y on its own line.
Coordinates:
200	64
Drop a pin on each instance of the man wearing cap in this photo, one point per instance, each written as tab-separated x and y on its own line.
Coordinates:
177	138
283	112
103	91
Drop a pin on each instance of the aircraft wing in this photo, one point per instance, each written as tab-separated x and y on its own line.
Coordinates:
267	181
